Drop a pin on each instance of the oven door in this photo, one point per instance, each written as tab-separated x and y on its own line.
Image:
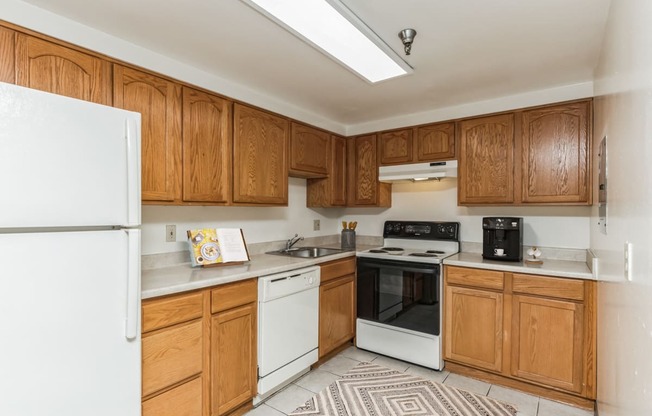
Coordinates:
399	293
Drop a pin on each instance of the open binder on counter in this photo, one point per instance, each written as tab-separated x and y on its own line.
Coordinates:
217	247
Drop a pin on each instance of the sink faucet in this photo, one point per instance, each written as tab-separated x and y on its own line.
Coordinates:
292	241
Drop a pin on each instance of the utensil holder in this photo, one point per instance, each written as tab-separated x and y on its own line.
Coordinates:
348	239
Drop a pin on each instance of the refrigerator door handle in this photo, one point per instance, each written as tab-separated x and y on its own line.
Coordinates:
133	285
133	172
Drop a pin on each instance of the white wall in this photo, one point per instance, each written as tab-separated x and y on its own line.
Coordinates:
623	113
433	201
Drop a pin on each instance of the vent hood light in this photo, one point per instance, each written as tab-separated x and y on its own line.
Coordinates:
418	171
332	28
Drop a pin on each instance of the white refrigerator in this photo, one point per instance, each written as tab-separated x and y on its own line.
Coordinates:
69	257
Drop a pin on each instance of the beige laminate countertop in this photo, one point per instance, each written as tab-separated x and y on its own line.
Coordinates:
182	278
557	268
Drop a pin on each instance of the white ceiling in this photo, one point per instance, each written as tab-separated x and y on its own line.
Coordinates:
465	50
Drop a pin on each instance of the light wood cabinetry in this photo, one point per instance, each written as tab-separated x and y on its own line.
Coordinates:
474	320
173	356
435	142
233	346
53	68
159	102
556	150
260	148
336	305
363	187
207	147
309	151
427	143
531	331
395	147
199	351
330	191
535	156
486	162
7	55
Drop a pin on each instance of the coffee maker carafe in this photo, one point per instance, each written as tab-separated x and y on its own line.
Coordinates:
502	238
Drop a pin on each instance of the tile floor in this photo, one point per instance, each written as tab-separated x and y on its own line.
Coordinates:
295	394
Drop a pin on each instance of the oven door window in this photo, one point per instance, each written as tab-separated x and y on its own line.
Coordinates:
401	294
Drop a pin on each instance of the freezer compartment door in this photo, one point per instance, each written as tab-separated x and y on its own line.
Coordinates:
70	323
66	162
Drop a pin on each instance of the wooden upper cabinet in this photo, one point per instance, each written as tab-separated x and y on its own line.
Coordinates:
49	67
7	55
556	154
309	151
330	191
260	148
207	145
435	142
363	188
486	162
395	147
159	102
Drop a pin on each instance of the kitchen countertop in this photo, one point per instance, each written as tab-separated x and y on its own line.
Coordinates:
557	268
182	278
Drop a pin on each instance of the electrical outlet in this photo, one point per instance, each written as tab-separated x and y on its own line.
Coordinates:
170	233
316	225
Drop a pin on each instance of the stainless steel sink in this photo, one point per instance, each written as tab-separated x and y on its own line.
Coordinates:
306	252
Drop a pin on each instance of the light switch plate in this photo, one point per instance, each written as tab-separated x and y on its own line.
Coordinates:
316	226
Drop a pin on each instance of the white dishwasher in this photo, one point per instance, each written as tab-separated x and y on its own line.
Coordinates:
288	327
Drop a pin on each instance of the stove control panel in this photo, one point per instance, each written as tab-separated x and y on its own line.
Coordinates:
424	230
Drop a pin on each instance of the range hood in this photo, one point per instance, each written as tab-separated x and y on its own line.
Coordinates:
418	171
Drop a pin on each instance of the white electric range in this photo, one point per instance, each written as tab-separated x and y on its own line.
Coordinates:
399	291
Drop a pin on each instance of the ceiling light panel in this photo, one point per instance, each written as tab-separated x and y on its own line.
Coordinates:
332	28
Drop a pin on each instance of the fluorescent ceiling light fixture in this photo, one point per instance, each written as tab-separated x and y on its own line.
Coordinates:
332	28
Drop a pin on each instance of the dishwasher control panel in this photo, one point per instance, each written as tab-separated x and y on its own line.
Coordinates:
278	285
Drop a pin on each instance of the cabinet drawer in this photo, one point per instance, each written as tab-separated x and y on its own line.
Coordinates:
184	400
234	294
475	277
173	310
337	268
552	287
171	356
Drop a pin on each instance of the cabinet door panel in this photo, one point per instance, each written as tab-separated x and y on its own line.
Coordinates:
336	313
49	67
172	355
395	147
233	358
206	147
474	327
363	188
184	400
331	191
7	55
556	152
547	339
435	142
159	102
486	163
309	151
260	146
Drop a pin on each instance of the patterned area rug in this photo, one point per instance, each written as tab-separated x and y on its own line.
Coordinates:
372	390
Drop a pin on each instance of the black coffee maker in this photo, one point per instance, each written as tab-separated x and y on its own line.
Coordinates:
502	238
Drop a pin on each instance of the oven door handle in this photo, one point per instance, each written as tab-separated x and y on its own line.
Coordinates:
398	265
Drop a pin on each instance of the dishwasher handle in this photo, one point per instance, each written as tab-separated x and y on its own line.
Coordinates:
284	284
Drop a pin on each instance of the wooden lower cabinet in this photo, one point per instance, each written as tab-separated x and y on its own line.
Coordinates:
173	355
474	320
526	331
199	351
233	345
233	357
336	305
